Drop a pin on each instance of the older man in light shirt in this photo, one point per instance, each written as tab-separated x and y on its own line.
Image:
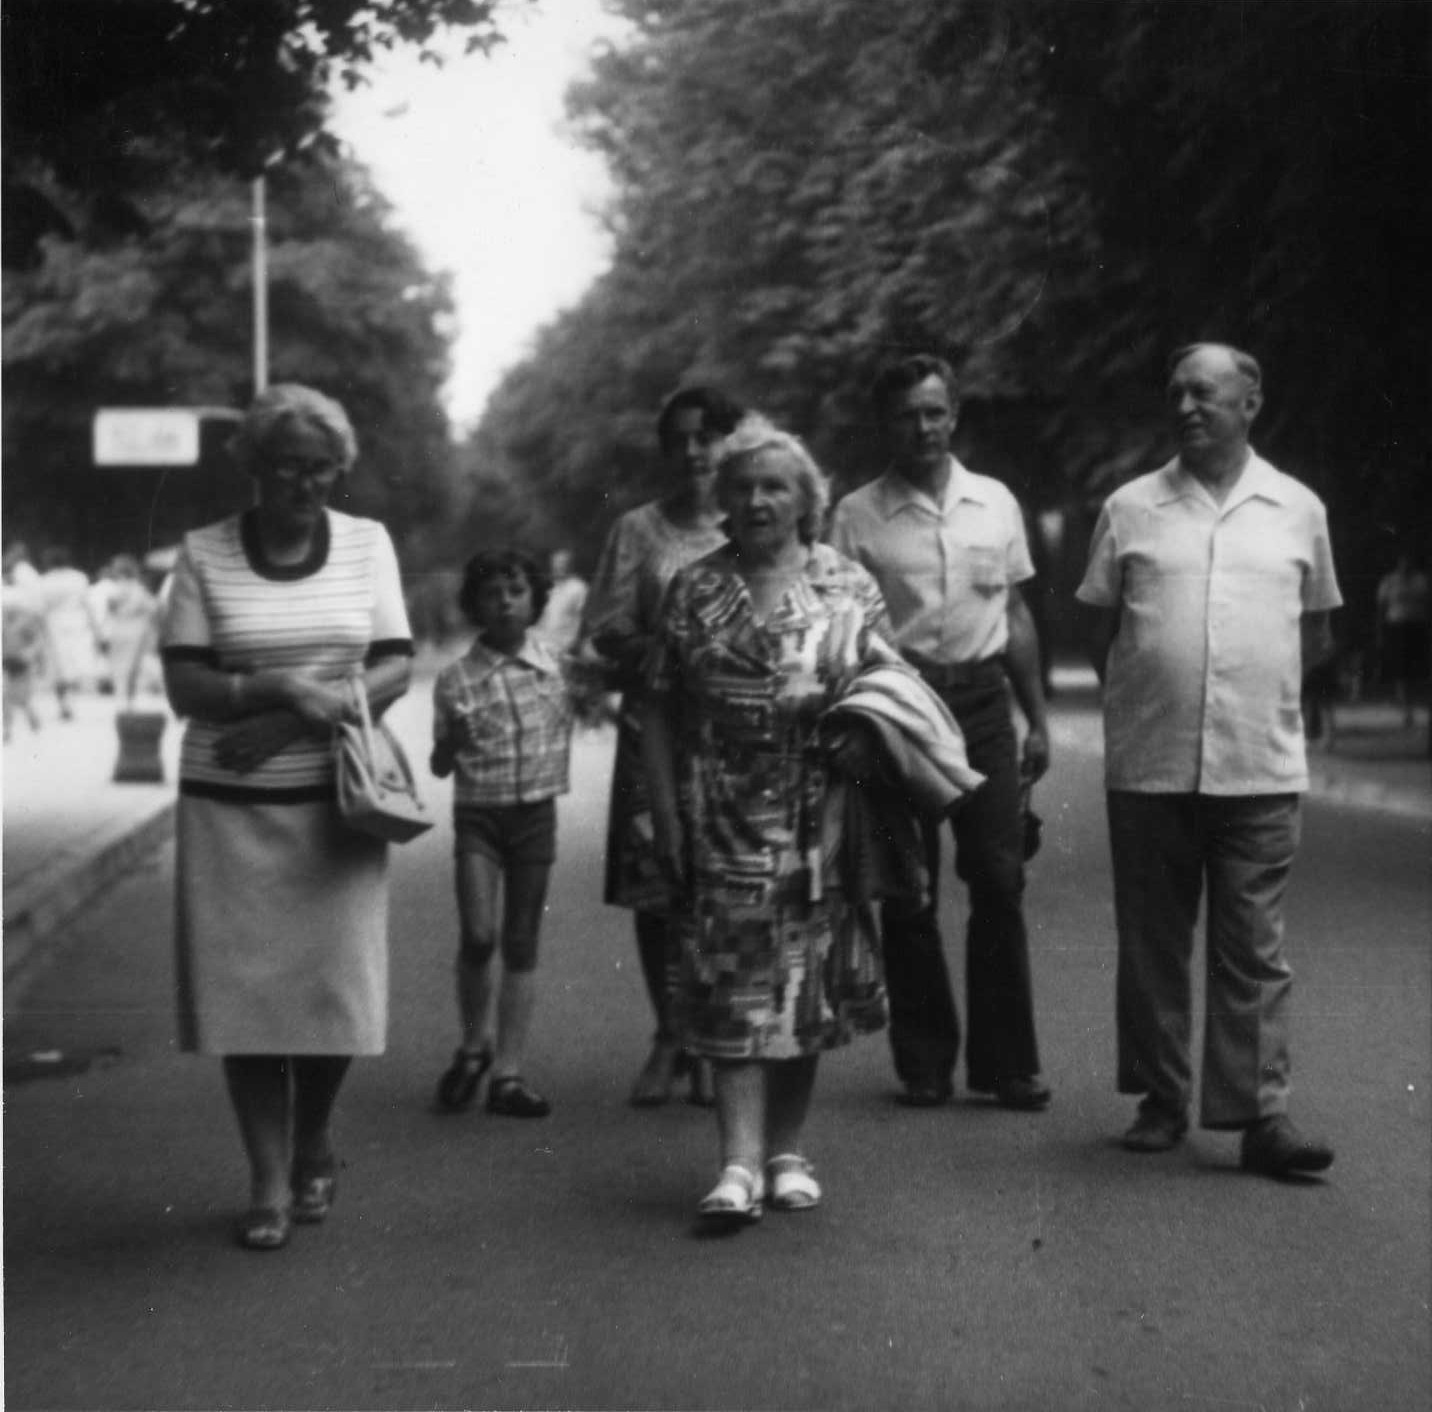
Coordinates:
1210	581
948	549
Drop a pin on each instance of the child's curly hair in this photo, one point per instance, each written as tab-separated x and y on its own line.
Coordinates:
500	564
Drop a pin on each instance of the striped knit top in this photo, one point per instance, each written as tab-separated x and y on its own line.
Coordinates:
233	609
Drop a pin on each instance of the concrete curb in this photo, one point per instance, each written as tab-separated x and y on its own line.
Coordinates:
1409	801
39	907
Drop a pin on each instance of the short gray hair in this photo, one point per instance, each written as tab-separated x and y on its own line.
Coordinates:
755	436
1246	363
288	404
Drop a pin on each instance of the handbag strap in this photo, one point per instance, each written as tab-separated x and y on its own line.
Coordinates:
365	715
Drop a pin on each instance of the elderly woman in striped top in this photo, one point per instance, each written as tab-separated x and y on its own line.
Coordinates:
281	910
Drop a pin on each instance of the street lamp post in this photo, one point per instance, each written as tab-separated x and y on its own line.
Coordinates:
259	221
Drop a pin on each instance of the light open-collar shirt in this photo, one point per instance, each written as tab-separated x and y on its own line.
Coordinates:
508	719
945	567
1202	691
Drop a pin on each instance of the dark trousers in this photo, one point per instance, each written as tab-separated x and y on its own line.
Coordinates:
989	858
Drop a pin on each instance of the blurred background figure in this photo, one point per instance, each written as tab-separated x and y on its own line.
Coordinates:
1403	631
24	650
73	646
129	624
1322	689
19	571
98	597
561	621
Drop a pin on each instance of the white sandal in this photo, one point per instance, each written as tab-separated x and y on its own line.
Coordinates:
737	1197
792	1182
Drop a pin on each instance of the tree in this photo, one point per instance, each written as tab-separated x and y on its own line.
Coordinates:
98	94
1052	195
1258	175
130	131
802	187
161	317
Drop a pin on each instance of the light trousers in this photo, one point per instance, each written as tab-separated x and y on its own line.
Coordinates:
1165	848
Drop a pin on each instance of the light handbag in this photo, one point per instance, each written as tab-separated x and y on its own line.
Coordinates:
376	792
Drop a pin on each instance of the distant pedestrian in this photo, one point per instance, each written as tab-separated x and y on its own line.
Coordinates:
502	724
73	638
24	654
644	549
275	617
949	551
18	570
1404	607
1211	581
561	621
129	624
99	596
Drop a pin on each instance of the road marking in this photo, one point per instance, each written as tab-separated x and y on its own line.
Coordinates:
558	1360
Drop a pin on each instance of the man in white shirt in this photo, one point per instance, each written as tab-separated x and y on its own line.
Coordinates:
948	549
1210	582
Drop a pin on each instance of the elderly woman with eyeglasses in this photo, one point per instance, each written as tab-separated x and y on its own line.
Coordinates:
756	640
273	616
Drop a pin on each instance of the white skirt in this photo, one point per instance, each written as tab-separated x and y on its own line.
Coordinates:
281	930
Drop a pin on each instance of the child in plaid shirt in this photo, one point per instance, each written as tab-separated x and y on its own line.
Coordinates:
502	723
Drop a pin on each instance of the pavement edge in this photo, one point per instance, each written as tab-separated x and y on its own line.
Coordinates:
40	908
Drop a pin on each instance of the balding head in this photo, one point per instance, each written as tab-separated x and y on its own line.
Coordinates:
1243	362
1214	393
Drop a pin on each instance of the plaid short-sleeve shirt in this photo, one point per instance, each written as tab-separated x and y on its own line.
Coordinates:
508	721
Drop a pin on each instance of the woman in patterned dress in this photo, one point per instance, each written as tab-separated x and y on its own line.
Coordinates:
272	617
756	640
645	548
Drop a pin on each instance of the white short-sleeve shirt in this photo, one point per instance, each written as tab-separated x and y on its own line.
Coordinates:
944	567
1203	686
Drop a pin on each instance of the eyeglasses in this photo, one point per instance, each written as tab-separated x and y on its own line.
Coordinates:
292	469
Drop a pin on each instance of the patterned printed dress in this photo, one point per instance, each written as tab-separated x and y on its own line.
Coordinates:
773	964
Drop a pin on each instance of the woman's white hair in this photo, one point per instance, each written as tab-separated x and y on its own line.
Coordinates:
755	436
288	404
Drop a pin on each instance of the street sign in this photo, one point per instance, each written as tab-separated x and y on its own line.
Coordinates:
146	436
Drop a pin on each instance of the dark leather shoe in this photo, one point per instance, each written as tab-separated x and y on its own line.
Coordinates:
1029	1094
1156	1129
1273	1147
924	1095
512	1098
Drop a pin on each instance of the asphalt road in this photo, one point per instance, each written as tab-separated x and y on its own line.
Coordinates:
964	1257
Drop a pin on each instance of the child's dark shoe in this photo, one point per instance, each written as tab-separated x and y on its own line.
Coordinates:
512	1098
458	1087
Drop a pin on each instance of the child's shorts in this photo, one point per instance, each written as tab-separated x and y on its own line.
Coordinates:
507	833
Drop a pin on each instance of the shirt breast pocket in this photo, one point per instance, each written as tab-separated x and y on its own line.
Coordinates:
483	727
986	569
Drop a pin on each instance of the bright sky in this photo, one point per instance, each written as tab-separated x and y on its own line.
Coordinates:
473	158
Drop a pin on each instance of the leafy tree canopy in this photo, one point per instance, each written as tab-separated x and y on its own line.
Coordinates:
98	93
162	317
1052	195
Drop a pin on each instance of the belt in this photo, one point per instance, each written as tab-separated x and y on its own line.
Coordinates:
943	675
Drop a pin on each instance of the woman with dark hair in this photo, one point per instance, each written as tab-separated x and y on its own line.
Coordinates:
275	618
645	548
